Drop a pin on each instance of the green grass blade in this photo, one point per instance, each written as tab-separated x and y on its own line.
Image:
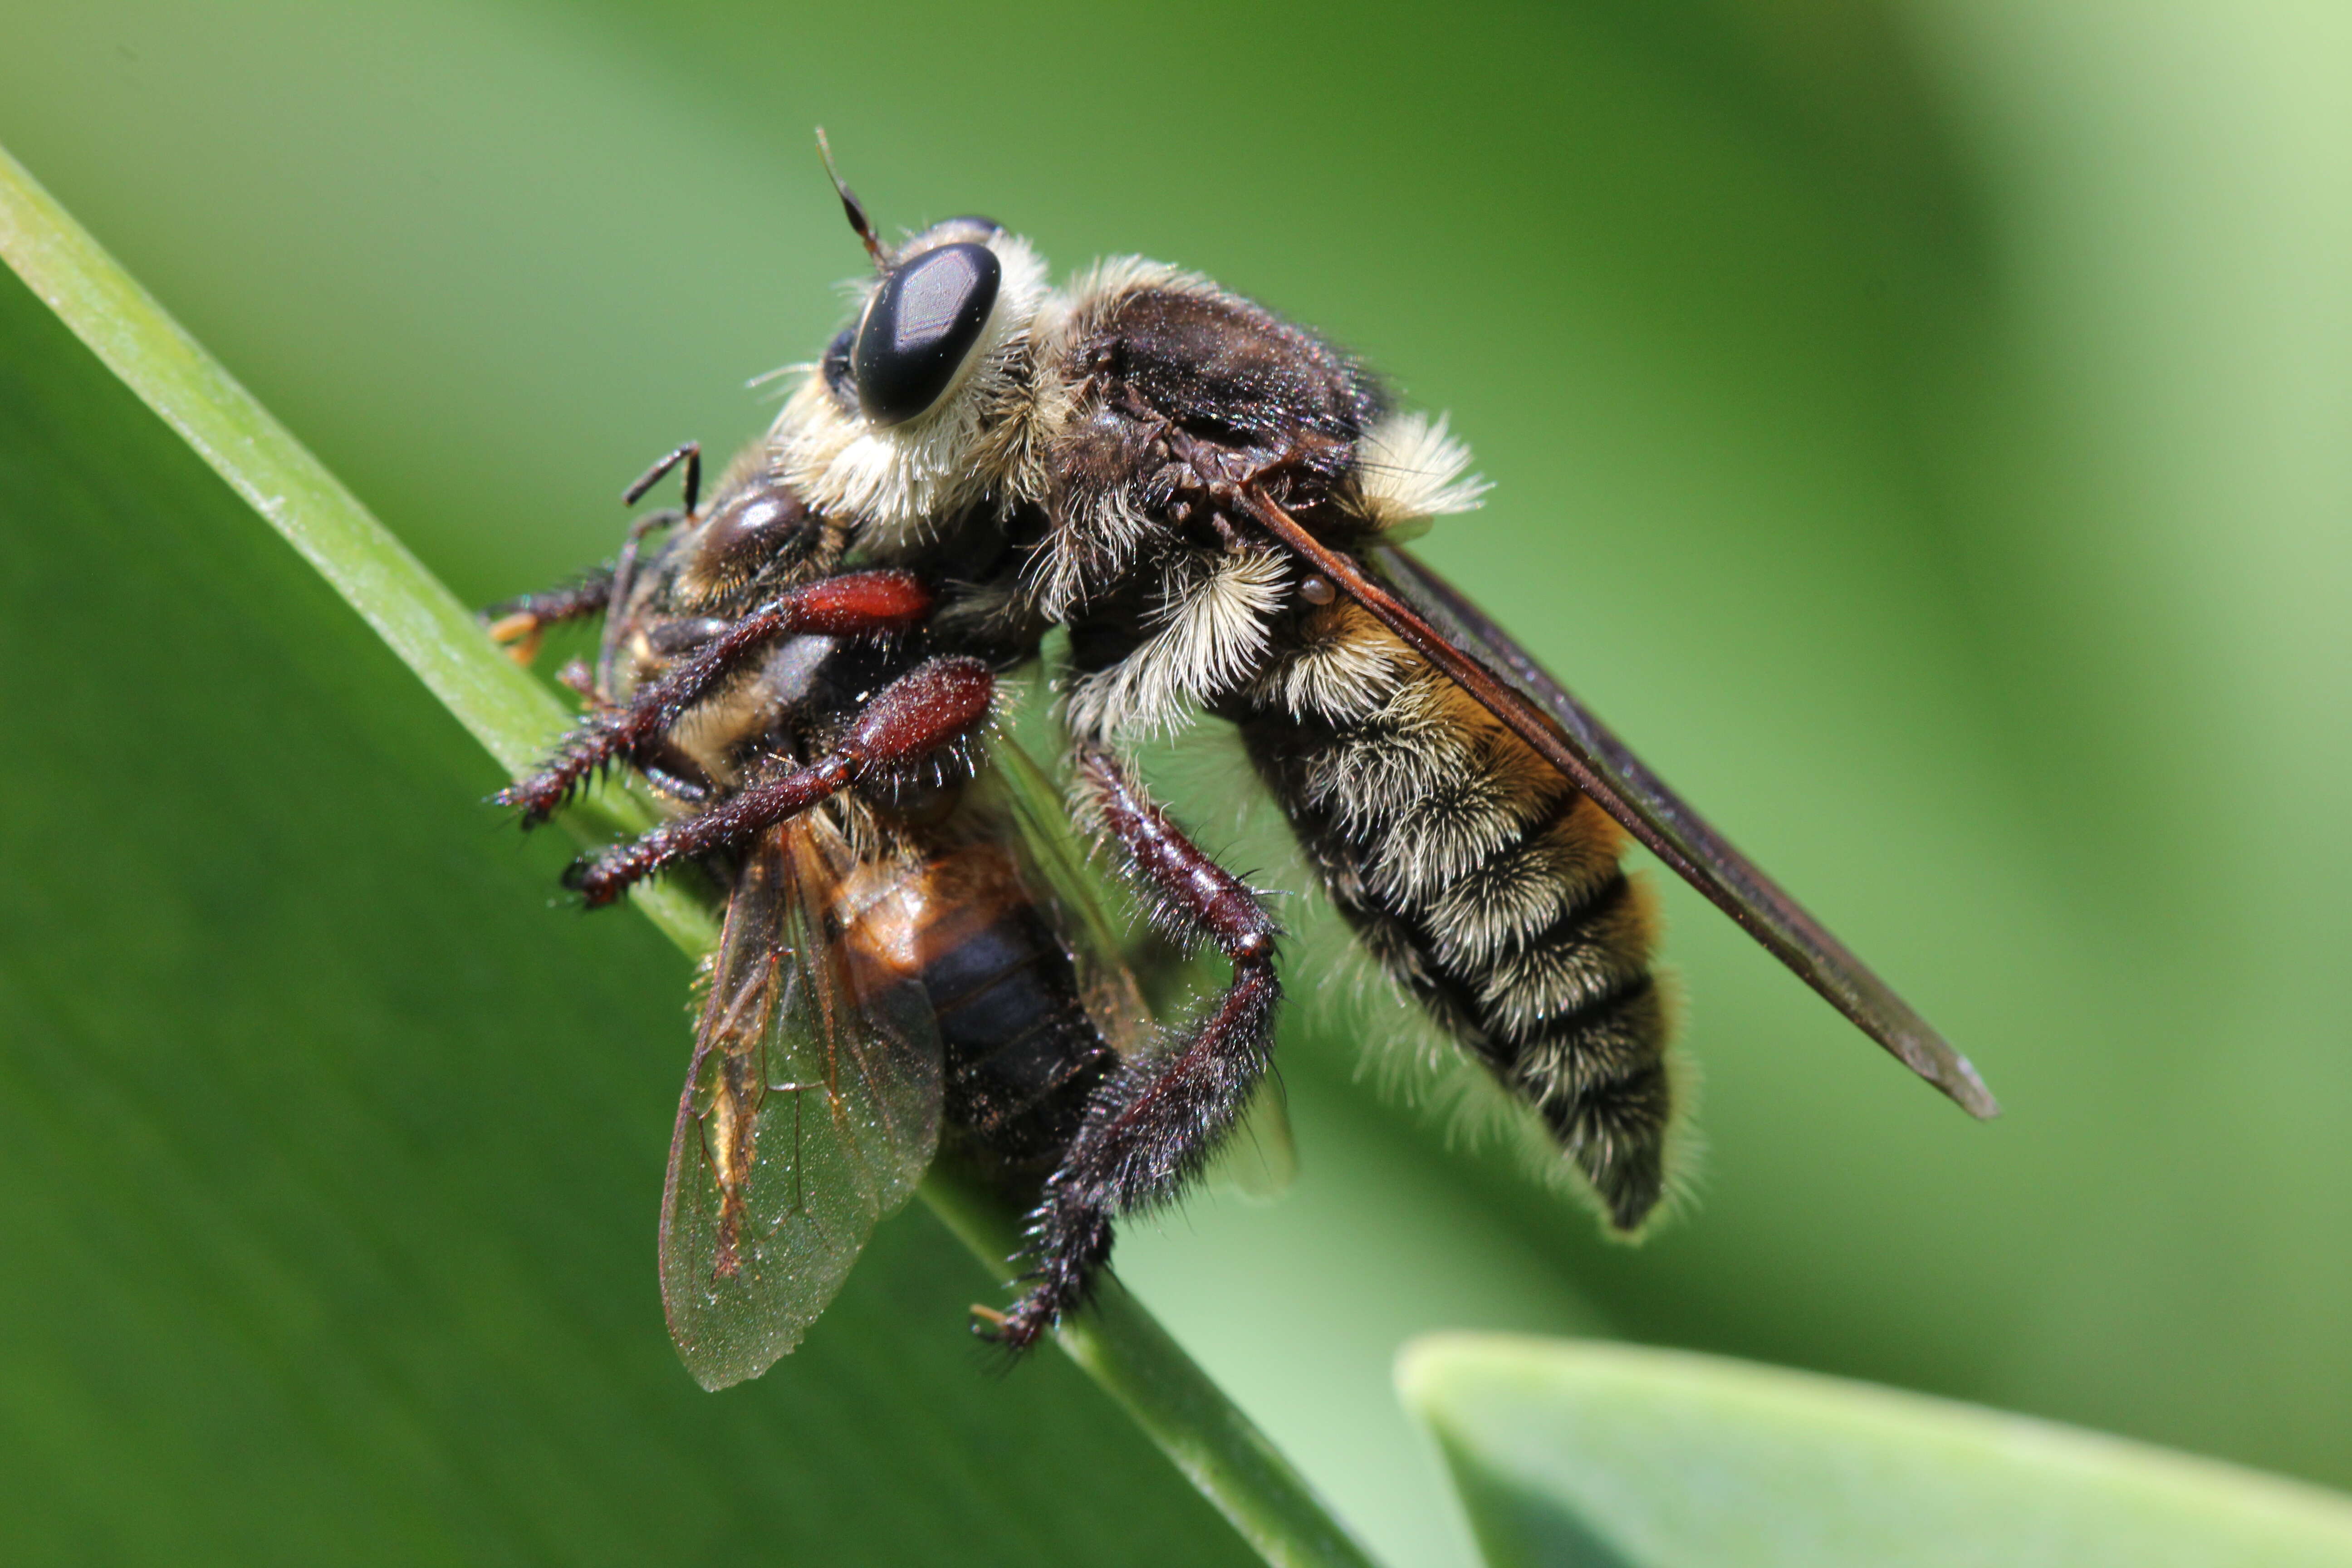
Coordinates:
514	719
1134	1360
1617	1457
513	716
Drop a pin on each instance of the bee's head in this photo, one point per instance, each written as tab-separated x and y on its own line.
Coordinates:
921	405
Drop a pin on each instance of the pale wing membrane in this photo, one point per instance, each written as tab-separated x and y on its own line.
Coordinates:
1061	874
1259	1159
1655	814
811	1111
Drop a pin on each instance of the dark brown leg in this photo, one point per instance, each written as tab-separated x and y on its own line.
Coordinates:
625	566
517	624
930	709
861	604
690	453
1156	1121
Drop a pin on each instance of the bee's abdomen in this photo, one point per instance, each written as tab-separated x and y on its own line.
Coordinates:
1021	1054
1020	1050
1486	886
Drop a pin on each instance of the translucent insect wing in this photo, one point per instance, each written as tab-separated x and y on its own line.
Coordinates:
811	1111
1076	897
1664	821
1259	1159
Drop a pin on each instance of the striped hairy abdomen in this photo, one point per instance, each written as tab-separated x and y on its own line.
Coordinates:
1482	881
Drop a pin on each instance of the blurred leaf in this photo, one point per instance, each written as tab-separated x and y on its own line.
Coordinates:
1615	1457
315	1127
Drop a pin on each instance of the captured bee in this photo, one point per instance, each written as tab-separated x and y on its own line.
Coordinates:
1206	500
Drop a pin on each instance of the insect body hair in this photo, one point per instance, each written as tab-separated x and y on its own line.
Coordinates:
1490	889
1209	631
1409	471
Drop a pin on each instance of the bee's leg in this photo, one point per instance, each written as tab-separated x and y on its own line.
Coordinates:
625	569
1155	1121
517	624
690	453
932	708
860	603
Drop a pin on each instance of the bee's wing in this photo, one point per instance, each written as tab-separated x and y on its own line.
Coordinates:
1618	781
1259	1159
811	1111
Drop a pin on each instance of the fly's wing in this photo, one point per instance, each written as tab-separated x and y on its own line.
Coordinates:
811	1111
1064	880
1622	785
1259	1159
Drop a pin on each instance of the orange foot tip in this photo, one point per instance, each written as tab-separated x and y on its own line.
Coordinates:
521	633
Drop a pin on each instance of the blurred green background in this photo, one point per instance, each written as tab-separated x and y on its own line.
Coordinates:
1924	430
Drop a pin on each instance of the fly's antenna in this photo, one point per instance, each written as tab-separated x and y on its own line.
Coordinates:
850	203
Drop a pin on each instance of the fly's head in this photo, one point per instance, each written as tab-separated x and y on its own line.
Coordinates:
924	405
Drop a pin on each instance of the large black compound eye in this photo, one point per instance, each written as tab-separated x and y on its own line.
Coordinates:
920	328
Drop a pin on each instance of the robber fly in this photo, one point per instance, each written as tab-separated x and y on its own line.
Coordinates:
1206	500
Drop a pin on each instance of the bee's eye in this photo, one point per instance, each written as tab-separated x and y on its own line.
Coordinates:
920	326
